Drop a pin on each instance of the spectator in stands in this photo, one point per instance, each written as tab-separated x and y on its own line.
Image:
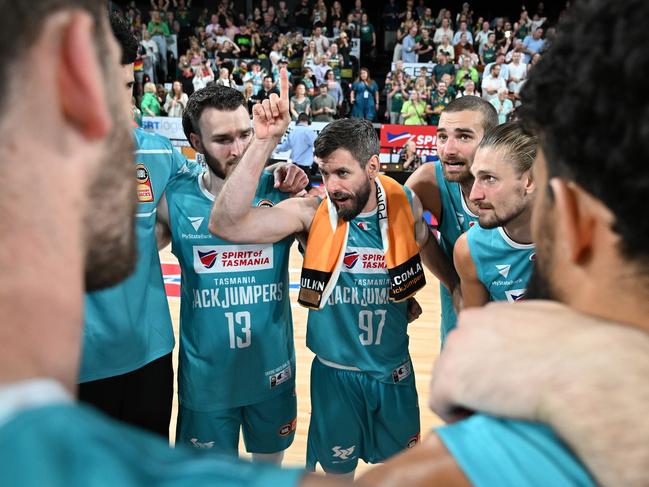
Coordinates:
408	157
150	103
442	67
230	29
524	25
409	52
368	40
268	32
463	30
334	89
447	49
426	20
358	11
533	44
300	103
303	17
423	75
161	93
249	96
395	99
268	88
466	73
425	47
469	90
203	75
176	100
159	31
308	79
256	75
492	83
364	96
323	106
321	42
243	40
187	78
150	56
504	68
517	74
439	100
422	87
210	29
451	90
321	69
319	14
335	60
503	105
488	50
517	46
345	48
310	56
337	14
225	78
443	30
413	111
482	36
402	32
463	46
390	24
300	142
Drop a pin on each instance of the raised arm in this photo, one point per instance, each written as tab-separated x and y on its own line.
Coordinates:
233	217
473	291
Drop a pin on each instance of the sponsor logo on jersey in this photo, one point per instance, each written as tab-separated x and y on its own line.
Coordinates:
288	428
265	204
196	221
343	453
212	259
202	446
280	377
413	441
514	295
363	226
533	257
503	269
208	259
350	259
402	372
364	260
144	188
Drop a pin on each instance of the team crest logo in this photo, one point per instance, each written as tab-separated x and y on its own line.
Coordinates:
413	441
350	259
265	204
144	188
471	223
288	428
208	259
363	226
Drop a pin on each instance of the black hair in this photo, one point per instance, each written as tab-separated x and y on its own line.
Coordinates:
475	104
214	96
125	38
302	117
593	131
356	135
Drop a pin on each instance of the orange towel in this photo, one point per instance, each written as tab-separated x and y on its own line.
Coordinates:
328	240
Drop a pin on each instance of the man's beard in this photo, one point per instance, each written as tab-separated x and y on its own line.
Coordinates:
540	283
463	174
360	199
220	168
494	220
109	222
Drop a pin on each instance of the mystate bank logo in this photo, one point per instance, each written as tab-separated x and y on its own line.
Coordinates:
214	259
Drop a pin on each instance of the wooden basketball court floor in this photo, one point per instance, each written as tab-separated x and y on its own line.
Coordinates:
424	348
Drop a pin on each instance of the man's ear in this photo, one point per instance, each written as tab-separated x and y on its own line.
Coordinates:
195	142
530	183
80	79
574	220
372	167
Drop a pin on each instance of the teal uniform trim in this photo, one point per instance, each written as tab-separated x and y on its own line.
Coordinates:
503	266
73	445
129	325
236	328
496	452
456	218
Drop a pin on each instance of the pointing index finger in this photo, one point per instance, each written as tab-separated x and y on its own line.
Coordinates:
283	84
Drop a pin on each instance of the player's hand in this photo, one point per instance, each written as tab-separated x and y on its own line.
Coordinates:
414	310
502	358
271	117
290	179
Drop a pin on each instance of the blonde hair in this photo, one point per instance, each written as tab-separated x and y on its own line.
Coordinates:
149	87
519	147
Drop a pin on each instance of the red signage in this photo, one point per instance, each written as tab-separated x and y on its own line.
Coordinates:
394	137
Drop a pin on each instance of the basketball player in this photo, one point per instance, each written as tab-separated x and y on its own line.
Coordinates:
444	187
494	259
362	387
237	359
126	368
68	206
591	255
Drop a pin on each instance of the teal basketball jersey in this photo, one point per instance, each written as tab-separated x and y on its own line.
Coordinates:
359	327
494	452
456	218
503	266
236	329
71	445
129	325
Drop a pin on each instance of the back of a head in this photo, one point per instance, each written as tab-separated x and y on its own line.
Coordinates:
518	145
215	96
594	130
302	118
355	135
475	104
